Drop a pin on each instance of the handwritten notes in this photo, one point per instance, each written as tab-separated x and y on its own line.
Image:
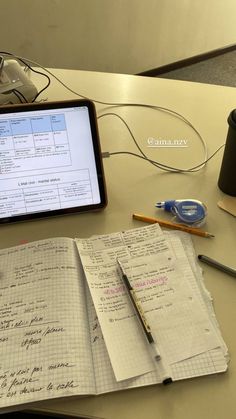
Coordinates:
180	325
42	354
116	316
165	286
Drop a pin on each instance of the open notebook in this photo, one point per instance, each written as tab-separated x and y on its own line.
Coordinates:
68	328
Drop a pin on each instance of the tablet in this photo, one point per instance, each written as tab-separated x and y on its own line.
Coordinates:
50	160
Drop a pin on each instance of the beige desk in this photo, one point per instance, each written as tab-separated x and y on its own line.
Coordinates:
134	186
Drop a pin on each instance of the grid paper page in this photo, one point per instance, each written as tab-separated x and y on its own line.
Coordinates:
182	245
44	353
215	360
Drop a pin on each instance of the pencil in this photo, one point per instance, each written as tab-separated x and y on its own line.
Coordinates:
175	226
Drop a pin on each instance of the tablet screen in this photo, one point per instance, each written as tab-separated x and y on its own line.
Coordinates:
50	160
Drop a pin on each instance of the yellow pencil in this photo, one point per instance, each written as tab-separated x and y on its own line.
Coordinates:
174	226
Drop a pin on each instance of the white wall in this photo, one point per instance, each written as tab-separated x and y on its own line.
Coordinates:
123	36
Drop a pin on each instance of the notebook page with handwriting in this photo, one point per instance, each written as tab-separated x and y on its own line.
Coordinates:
44	344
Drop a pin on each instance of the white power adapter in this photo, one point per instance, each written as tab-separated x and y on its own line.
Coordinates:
15	85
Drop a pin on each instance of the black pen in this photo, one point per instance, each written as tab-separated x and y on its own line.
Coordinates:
217	265
166	379
139	311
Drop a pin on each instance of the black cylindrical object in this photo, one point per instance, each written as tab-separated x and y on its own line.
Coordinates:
227	177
